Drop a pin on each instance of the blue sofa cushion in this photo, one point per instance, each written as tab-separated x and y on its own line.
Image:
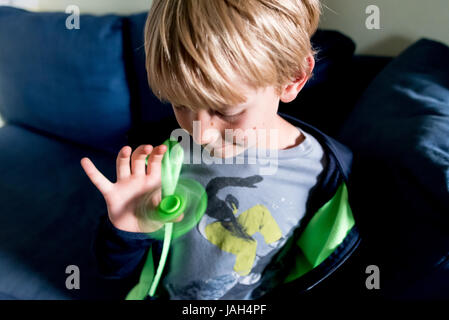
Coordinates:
146	107
68	83
399	132
328	85
49	214
334	51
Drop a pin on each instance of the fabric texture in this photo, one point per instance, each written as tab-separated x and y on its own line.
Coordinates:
337	171
67	83
399	133
250	215
249	218
50	211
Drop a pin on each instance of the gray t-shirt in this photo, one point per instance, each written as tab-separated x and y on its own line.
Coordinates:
253	208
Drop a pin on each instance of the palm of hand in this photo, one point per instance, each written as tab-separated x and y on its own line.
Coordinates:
137	187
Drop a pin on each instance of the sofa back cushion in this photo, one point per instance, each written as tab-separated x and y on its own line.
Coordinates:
399	132
69	83
148	107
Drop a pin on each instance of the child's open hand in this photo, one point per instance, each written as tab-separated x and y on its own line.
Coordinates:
136	184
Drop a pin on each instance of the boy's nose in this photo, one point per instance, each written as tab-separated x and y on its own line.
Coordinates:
203	131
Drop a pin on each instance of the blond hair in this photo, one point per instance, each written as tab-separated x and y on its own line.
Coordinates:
196	48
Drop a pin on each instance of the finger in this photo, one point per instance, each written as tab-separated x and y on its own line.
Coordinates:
122	163
138	159
154	161
97	178
156	197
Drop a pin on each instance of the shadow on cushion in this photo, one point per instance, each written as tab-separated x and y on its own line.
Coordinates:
399	133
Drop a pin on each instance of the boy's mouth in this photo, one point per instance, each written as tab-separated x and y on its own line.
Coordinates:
225	149
224	144
218	146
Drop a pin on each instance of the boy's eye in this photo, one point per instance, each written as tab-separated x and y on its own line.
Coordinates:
230	118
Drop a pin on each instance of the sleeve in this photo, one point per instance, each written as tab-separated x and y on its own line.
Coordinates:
120	254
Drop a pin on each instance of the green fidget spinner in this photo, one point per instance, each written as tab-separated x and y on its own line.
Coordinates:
178	195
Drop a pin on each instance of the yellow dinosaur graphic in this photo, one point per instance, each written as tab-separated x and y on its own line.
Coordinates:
256	219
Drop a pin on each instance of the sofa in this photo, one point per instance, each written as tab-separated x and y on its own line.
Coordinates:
66	94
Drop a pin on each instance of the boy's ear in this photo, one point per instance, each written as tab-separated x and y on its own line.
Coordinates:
290	91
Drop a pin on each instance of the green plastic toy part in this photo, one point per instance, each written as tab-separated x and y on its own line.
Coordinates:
171	207
178	196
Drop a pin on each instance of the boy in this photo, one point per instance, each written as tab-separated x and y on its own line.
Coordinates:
224	65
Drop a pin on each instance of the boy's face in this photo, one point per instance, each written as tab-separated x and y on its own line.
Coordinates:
256	117
258	112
